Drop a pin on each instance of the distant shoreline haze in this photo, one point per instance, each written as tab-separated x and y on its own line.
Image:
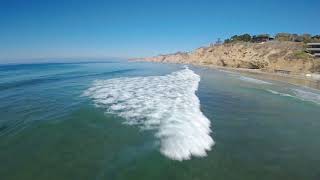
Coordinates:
59	60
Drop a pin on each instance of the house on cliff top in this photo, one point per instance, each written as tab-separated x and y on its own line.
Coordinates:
262	38
314	48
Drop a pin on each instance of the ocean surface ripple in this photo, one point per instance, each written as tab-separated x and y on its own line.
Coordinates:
166	104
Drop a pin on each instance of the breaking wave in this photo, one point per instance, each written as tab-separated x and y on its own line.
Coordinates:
300	94
279	93
167	104
252	80
307	96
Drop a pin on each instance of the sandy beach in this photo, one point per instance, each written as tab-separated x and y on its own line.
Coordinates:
295	79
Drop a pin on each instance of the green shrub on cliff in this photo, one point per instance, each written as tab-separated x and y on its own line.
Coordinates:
301	55
283	36
305	38
239	38
315	38
244	37
227	41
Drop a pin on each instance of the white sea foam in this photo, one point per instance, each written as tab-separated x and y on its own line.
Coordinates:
300	94
229	72
279	93
307	95
167	104
252	80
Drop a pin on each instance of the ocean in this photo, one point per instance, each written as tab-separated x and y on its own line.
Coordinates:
139	120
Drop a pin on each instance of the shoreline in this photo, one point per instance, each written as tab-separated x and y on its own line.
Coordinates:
294	79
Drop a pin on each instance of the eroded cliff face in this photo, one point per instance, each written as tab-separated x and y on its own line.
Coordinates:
271	56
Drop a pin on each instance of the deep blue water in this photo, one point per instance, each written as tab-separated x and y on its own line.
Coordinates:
51	129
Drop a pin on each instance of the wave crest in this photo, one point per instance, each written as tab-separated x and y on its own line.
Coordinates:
167	104
279	93
307	95
252	80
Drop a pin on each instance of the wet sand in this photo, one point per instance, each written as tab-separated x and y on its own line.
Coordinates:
295	79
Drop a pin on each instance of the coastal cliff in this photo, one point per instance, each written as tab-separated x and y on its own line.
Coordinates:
272	56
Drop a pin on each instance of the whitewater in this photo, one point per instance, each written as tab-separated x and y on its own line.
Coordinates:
167	104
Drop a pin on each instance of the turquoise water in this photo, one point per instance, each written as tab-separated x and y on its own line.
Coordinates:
121	120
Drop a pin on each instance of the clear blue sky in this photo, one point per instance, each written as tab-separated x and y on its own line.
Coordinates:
128	28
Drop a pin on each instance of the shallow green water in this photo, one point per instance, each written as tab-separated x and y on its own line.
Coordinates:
49	130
